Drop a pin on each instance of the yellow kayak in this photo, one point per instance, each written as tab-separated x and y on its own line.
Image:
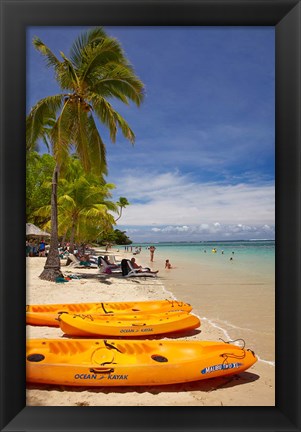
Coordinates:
97	362
126	325
47	314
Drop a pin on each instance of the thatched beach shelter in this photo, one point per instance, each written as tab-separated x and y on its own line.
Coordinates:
34	231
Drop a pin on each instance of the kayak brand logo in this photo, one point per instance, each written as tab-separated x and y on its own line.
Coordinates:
117	377
136	330
219	367
99	377
85	376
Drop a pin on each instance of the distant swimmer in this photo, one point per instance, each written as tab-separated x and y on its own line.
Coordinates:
167	264
231	259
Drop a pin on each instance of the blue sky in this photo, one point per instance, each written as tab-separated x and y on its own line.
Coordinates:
202	167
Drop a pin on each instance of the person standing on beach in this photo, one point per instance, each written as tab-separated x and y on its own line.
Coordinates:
42	248
152	251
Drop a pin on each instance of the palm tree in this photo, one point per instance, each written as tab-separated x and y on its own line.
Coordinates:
84	209
96	70
83	205
122	203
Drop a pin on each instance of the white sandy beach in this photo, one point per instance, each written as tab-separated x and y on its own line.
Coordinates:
255	387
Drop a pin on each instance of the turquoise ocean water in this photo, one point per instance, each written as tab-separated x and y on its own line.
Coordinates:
258	248
253	257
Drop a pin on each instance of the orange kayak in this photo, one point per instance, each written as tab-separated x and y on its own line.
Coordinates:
126	325
47	314
97	362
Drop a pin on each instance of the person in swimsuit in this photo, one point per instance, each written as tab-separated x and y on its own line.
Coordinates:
152	251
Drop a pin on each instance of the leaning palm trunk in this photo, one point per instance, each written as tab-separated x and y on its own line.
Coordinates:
52	268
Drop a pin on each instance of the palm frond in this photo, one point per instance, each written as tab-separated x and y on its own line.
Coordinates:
119	82
111	119
96	149
61	134
41	118
80	136
91	37
51	59
95	59
98	211
111	206
44	211
67	76
66	199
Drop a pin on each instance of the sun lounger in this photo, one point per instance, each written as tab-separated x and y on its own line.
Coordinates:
108	268
76	263
129	271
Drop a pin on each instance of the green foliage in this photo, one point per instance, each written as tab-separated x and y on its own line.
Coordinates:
83	204
115	237
39	169
121	238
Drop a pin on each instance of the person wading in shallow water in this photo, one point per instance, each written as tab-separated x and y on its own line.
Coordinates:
167	264
152	251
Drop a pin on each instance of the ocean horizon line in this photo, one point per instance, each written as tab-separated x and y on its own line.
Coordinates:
204	241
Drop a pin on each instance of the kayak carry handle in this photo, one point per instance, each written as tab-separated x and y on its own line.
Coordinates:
101	370
138	324
59	315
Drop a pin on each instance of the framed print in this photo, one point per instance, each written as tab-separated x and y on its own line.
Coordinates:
18	17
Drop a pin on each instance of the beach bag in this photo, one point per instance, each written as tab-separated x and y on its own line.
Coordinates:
124	267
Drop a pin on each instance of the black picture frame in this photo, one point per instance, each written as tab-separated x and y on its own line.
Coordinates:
16	15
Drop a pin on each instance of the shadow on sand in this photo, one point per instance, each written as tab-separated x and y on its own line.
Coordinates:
105	278
205	386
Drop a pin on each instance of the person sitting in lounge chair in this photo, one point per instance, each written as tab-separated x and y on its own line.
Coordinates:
111	264
137	268
104	265
80	262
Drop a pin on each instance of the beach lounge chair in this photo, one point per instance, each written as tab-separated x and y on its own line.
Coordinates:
129	271
108	268
76	263
113	260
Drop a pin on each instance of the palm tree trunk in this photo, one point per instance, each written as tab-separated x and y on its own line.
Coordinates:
52	268
119	216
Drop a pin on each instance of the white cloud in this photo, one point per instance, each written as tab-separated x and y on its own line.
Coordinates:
171	199
201	232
